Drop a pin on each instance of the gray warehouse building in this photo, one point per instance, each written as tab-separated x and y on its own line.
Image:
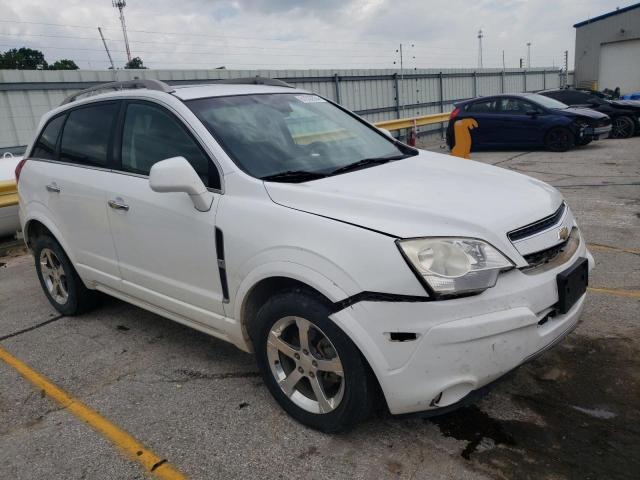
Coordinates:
608	50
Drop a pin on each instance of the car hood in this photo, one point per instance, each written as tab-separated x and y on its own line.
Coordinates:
584	112
430	194
628	104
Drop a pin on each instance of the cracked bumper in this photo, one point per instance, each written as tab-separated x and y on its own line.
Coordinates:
462	344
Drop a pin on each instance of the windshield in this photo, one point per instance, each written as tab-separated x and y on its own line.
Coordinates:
270	134
547	102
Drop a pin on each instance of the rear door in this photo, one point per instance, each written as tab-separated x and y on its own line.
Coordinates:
166	248
486	114
73	155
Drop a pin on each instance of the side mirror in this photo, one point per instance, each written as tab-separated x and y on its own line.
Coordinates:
532	113
177	175
386	132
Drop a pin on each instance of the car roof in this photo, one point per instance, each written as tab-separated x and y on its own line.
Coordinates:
190	92
500	95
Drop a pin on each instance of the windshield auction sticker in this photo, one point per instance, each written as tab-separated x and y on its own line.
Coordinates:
310	99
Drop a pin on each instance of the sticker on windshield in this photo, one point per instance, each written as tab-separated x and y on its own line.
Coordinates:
310	99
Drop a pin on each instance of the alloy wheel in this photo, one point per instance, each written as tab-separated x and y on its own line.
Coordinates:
305	364
622	128
558	140
54	276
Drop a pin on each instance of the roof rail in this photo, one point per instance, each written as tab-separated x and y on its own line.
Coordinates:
256	81
149	84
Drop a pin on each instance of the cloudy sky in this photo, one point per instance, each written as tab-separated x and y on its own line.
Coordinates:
307	34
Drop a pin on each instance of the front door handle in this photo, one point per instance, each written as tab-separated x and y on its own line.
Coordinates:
53	188
118	206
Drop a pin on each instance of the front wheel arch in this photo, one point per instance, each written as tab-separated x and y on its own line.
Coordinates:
262	291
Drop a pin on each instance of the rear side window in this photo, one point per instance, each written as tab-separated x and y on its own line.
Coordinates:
571	97
485	106
515	106
85	139
45	147
151	134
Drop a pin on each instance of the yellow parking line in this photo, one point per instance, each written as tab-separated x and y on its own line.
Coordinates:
616	292
149	460
609	248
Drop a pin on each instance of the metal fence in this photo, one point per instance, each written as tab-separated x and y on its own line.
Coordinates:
377	95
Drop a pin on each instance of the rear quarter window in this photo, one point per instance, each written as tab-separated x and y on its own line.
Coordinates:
45	146
484	106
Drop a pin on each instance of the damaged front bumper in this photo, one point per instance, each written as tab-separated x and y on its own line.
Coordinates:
430	355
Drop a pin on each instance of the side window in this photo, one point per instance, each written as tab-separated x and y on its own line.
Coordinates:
574	98
485	106
85	138
556	96
45	147
152	134
515	106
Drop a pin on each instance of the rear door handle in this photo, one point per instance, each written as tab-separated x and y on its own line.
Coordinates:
118	206
53	188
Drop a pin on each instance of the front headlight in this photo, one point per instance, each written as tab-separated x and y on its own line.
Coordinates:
454	265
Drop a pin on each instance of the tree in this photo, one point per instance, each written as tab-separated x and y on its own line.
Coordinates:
63	64
135	64
23	59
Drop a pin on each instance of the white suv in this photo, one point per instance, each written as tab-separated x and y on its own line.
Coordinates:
277	220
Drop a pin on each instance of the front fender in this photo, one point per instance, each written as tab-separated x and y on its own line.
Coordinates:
288	269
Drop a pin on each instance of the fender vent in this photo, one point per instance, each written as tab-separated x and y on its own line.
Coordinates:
402	336
222	267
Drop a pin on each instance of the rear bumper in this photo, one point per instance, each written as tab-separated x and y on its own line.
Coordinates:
462	344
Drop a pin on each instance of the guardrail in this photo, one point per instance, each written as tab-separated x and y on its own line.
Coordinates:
414	122
8	193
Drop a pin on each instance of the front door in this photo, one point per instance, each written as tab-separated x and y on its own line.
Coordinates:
521	122
166	248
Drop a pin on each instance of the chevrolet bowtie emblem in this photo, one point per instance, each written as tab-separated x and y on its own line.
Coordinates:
563	233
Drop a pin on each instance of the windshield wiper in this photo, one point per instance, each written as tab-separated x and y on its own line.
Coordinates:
365	162
293	176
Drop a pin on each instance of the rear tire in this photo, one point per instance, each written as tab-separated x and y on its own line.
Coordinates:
59	280
622	127
559	139
322	382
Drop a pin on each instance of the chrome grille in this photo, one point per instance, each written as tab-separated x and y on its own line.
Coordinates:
538	226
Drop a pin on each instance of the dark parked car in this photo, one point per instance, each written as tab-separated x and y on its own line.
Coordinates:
528	120
625	115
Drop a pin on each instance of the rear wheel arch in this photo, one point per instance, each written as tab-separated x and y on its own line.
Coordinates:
35	228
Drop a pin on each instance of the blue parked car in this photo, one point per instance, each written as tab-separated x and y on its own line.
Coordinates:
528	120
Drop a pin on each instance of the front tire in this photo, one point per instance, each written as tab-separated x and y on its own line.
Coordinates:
311	367
559	139
622	127
59	280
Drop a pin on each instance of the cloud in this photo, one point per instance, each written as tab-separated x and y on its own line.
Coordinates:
310	34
